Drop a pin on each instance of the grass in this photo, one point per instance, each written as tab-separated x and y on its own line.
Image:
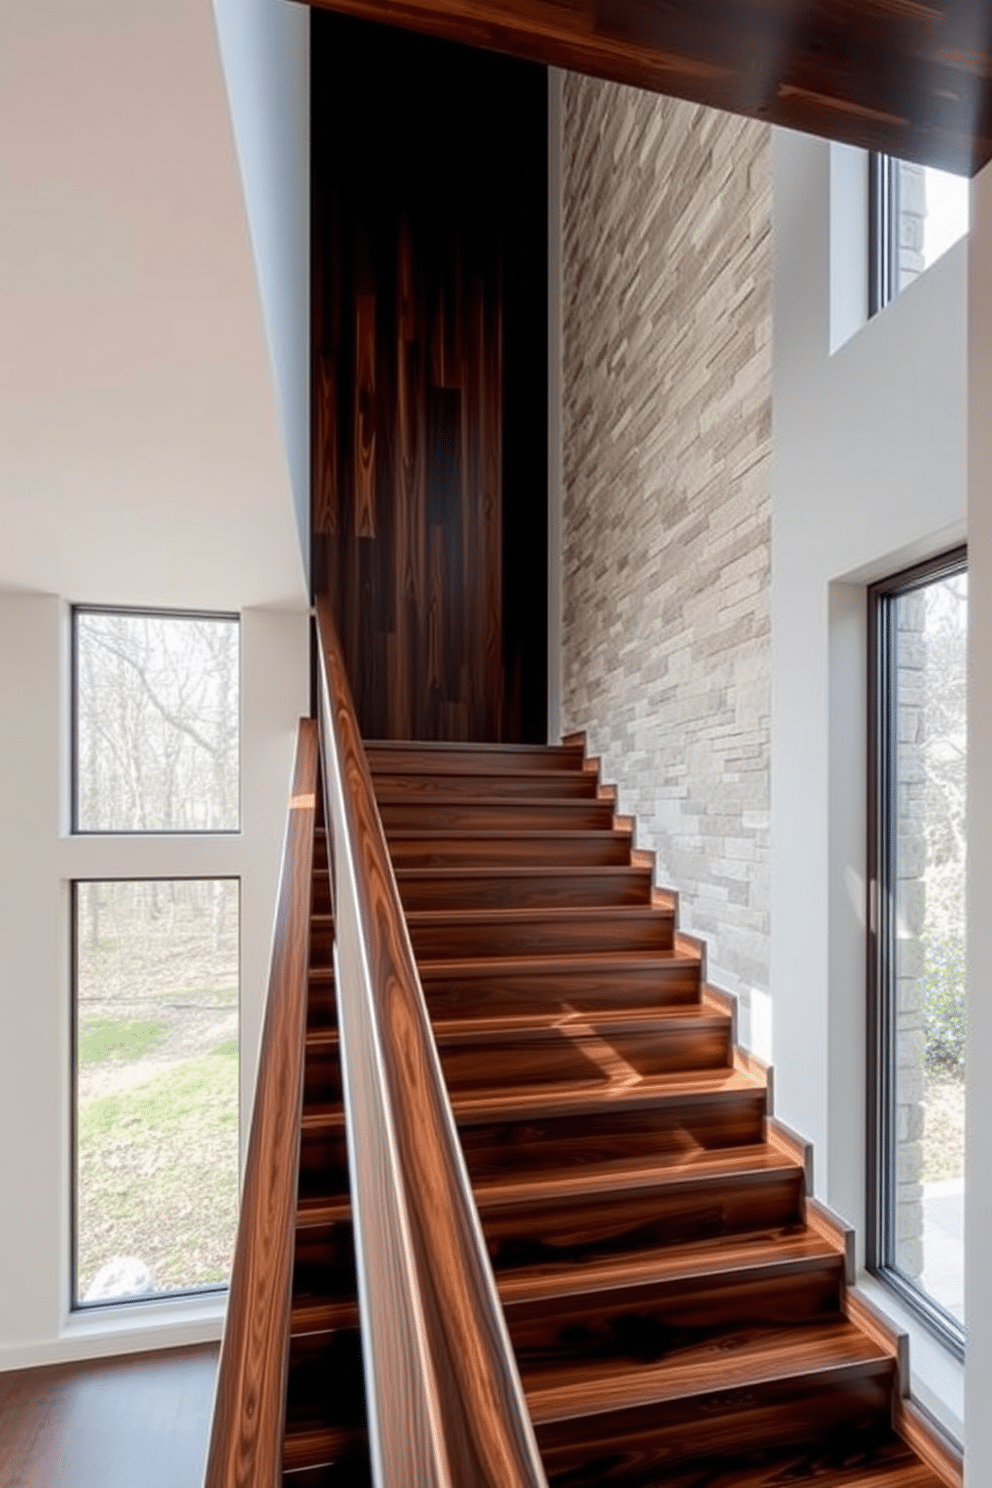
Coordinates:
126	1038
158	1174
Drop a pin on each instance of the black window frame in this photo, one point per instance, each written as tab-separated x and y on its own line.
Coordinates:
881	938
157	613
883	231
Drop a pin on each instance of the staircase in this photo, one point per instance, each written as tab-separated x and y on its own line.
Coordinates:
677	1304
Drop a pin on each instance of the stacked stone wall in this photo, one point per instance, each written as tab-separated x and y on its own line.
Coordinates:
666	505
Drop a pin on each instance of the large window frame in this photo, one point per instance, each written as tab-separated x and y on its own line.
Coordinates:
882	927
170	863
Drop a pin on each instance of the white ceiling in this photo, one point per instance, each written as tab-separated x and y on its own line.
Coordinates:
141	455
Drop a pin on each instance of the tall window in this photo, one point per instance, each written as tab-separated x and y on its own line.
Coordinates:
919	623
916	213
155	960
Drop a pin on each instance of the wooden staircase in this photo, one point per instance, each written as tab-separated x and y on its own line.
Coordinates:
677	1304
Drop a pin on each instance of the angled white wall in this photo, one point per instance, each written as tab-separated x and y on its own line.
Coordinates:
265	50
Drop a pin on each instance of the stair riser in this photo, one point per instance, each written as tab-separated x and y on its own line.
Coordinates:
322	1079
322	1007
385	758
496	816
321	900
735	1431
325	1383
649	931
429	849
562	785
441	891
507	1061
321	942
545	1144
323	1164
652	1322
581	990
572	1230
324	1263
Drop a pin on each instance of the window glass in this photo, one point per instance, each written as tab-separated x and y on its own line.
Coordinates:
916	214
156	1086
920	1026
933	215
155	723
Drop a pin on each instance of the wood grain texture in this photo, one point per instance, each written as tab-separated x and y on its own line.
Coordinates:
246	1441
428	286
89	1424
679	1308
910	79
445	1404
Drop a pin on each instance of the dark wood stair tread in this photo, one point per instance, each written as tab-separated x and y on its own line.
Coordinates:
559	965
317	1446
494	884
322	1316
818	1354
313	1213
319	1117
415	754
543	915
593	1182
442	846
745	1256
429	785
632	1020
685	1088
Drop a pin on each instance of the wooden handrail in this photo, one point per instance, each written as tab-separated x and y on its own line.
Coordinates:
246	1441
443	1397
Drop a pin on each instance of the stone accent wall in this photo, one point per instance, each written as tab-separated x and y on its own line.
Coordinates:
666	306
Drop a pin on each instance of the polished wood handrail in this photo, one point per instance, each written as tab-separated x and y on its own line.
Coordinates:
444	1402
246	1441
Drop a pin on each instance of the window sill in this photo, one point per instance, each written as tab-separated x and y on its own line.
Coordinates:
936	1376
168	1322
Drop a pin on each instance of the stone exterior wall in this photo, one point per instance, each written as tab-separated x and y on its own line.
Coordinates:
666	306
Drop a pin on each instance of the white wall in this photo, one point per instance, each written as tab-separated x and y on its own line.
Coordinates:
869	473
265	51
140	441
37	861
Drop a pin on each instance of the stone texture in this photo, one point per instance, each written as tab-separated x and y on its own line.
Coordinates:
666	472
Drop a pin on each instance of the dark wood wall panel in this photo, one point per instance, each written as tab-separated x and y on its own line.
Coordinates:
911	78
430	254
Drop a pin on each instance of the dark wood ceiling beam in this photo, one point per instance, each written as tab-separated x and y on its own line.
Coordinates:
910	78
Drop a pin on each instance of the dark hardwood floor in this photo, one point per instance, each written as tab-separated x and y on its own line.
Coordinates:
109	1423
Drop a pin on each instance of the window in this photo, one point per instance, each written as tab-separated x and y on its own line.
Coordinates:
156	1086
918	691
155	979
155	722
915	214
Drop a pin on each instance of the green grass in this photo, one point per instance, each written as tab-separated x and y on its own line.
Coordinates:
127	1038
158	1174
226	1050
